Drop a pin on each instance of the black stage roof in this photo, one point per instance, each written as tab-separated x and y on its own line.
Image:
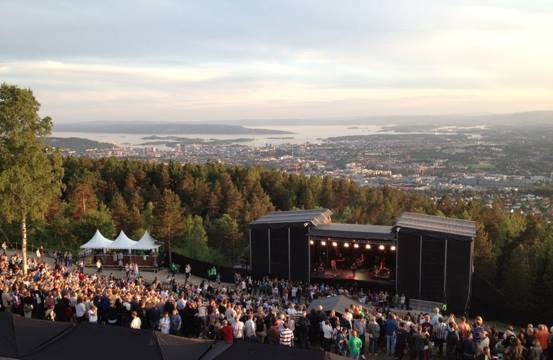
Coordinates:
321	224
439	224
353	231
314	217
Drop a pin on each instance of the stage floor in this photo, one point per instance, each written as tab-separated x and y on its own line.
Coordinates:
363	275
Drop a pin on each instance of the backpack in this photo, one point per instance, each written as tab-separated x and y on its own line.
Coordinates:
451	338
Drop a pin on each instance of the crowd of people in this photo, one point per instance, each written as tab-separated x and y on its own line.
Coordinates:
268	311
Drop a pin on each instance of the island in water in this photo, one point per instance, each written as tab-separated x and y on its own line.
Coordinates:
76	144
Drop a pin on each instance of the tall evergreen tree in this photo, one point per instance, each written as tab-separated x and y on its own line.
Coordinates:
120	213
168	221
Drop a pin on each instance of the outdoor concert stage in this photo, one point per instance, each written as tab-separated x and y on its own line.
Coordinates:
424	257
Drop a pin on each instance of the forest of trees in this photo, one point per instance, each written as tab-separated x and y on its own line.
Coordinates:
203	211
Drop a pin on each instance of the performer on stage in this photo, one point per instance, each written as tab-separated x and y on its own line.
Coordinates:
354	269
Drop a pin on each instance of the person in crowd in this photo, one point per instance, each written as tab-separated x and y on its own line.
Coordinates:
176	322
187	272
165	323
417	343
515	350
354	345
249	329
136	323
227	332
390	330
327	331
451	340
340	337
238	328
286	336
373	332
92	314
440	334
302	330
80	310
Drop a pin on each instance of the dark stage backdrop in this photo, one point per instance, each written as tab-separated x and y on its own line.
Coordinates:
279	252
260	252
283	264
421	273
408	265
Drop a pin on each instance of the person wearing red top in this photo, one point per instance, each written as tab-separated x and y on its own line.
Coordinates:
226	332
543	337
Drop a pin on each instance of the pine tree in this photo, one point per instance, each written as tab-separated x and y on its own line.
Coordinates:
168	221
120	212
82	199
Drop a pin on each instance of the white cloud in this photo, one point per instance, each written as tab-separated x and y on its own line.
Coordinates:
214	60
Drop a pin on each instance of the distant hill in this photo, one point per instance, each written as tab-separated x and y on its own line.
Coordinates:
164	128
76	144
534	118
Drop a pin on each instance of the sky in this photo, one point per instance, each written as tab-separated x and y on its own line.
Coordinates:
165	60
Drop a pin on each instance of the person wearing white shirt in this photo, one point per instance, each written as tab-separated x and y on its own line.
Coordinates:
238	329
436	317
327	334
93	315
291	311
136	323
80	310
181	303
250	328
165	323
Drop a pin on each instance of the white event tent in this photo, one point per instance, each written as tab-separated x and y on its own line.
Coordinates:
98	241
146	242
122	242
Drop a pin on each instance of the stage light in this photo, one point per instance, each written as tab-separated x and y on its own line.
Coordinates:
311	242
346	245
382	247
323	243
368	246
356	246
334	243
393	248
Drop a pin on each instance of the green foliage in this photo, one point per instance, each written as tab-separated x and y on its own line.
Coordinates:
168	226
224	235
91	221
194	242
30	176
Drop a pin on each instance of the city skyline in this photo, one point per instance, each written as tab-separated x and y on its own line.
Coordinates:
210	61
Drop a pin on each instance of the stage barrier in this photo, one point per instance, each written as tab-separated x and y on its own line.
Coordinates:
424	305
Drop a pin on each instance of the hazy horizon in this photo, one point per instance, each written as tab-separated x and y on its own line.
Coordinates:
249	61
531	117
